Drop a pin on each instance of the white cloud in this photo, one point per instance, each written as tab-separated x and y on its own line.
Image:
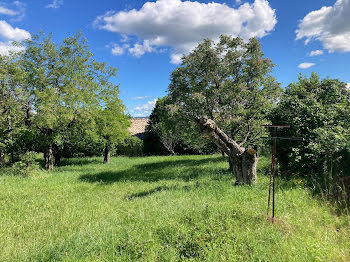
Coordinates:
182	25
140	49
140	97
55	4
7	32
316	53
145	109
118	49
6	11
6	48
330	25
16	10
305	65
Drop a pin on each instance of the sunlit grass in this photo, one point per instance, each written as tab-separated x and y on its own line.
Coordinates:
162	209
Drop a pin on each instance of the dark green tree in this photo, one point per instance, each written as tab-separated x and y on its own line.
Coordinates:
163	124
227	89
319	112
168	127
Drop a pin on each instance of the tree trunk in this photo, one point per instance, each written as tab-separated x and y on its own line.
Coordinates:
57	155
2	158
244	167
57	158
48	155
242	161
107	153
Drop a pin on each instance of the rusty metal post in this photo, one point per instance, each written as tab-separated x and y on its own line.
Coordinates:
272	175
273	170
272	182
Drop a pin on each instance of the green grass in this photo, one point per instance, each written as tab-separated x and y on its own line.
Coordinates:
162	209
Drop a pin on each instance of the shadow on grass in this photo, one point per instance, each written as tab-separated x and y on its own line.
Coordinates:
157	189
73	162
79	161
184	170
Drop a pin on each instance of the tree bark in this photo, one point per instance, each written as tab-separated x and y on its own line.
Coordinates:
57	155
107	153
48	155
2	158
243	161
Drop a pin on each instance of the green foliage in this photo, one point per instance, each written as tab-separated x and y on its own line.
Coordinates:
178	208
131	146
169	131
163	123
13	111
26	166
111	121
50	94
319	111
230	83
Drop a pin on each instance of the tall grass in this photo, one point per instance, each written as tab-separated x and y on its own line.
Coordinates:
163	209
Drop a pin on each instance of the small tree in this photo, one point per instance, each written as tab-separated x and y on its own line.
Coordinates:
112	123
227	90
63	83
163	124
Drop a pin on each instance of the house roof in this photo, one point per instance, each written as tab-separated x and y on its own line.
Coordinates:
138	127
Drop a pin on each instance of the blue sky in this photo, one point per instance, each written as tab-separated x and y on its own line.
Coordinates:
145	40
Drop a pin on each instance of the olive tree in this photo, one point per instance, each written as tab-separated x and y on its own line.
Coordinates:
227	89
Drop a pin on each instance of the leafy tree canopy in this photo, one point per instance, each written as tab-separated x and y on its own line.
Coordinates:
228	89
63	86
318	110
230	83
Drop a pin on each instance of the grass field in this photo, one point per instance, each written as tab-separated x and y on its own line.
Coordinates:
162	209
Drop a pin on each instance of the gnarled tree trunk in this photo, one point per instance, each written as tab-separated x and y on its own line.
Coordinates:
243	161
48	155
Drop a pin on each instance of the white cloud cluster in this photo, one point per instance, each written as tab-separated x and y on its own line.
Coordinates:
316	53
305	65
16	10
181	25
330	25
8	34
7	11
145	109
55	4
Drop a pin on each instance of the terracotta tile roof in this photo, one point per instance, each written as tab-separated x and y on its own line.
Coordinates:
138	127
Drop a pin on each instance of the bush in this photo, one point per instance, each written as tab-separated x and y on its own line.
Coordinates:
132	146
26	166
318	112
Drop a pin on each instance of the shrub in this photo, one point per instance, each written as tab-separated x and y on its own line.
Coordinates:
132	146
